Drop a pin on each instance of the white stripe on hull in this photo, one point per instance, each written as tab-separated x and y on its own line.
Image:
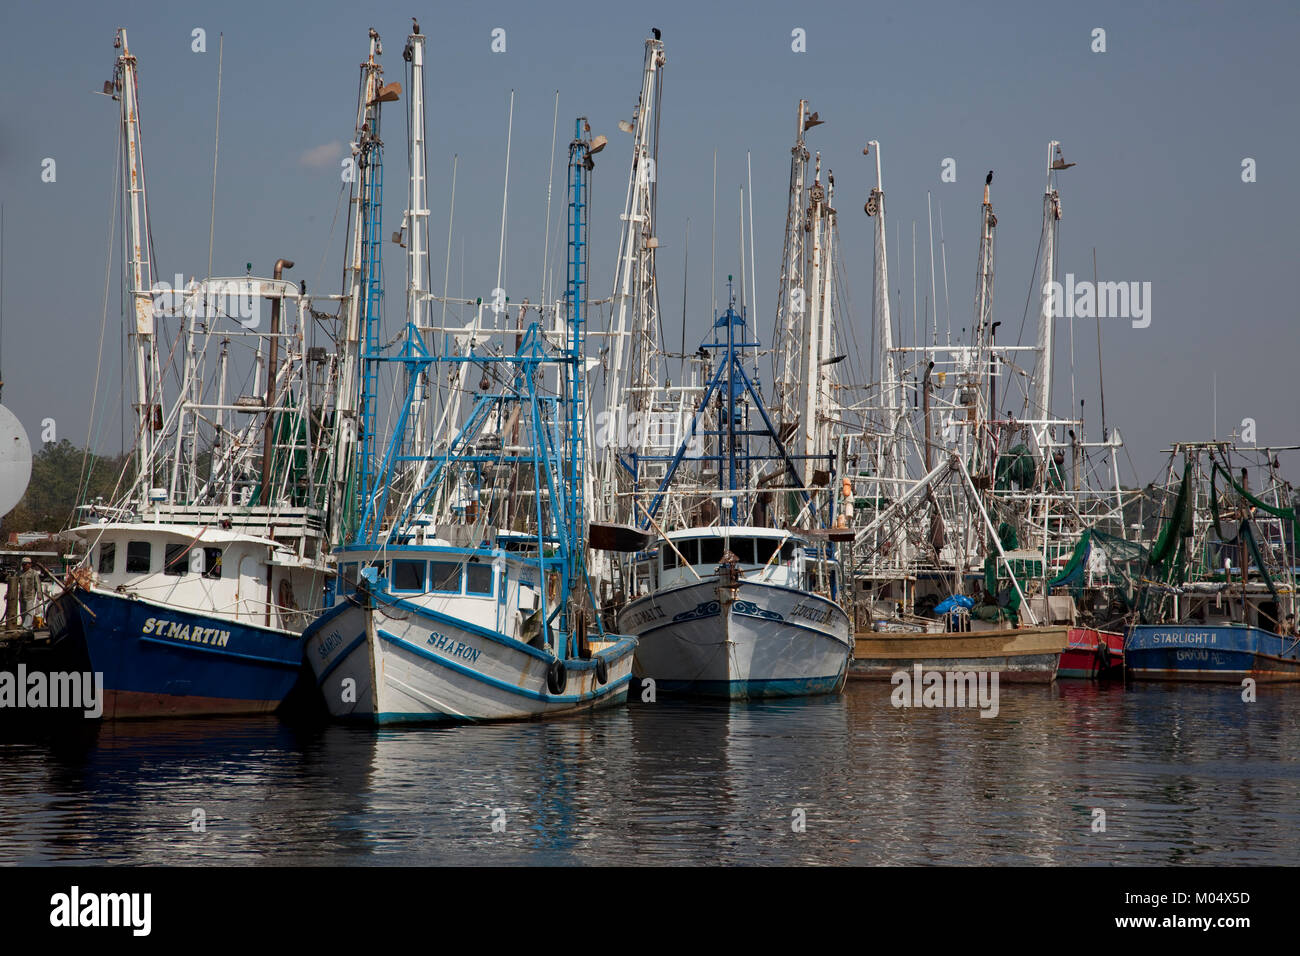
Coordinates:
768	634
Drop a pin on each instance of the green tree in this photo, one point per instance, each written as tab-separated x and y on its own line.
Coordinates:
58	472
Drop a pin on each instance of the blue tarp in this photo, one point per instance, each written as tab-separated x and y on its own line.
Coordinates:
948	605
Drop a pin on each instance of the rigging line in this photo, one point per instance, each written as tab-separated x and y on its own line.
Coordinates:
320	270
505	195
713	268
753	277
1101	383
686	263
1056	252
1033	281
84	483
550	185
943	251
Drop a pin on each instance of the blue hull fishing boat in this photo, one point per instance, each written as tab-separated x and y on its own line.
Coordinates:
159	660
1219	604
1199	652
196	584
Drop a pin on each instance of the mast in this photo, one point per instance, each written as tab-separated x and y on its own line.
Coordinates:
888	375
634	333
826	335
983	339
417	222
346	400
140	270
581	150
791	298
811	344
1042	397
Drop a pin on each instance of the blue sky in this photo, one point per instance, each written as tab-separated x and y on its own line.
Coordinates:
1158	124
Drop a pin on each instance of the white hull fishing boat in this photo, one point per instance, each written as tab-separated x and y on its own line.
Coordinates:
440	615
735	610
463	651
741	630
722	601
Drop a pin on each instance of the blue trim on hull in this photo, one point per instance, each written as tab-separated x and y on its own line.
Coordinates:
511	688
389	718
754	689
251	666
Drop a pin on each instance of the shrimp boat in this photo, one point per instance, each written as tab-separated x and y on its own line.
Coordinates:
734	609
1220	602
1092	653
197	582
470	602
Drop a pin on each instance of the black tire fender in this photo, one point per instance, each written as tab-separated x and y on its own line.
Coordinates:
556	677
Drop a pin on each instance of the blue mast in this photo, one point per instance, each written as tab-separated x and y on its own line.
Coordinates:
581	164
370	165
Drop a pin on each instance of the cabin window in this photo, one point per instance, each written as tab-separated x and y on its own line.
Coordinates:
742	548
764	548
107	558
407	576
787	550
348	575
478	579
212	562
711	551
670	557
444	576
139	555
177	559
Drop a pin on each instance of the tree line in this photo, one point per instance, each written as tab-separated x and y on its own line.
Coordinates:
59	471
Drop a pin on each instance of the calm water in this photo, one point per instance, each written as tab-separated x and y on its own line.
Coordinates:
1185	774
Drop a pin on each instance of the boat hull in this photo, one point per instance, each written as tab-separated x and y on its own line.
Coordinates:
1084	659
1212	653
771	641
393	661
1019	655
161	661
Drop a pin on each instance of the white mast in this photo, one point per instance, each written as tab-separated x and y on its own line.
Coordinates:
417	218
147	378
826	334
811	345
1042	398
890	400
633	342
791	299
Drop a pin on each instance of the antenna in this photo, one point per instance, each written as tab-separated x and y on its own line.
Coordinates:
713	269
550	181
216	145
742	250
753	276
934	301
686	264
505	194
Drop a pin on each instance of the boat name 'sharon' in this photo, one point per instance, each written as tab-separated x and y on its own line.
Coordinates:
182	632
